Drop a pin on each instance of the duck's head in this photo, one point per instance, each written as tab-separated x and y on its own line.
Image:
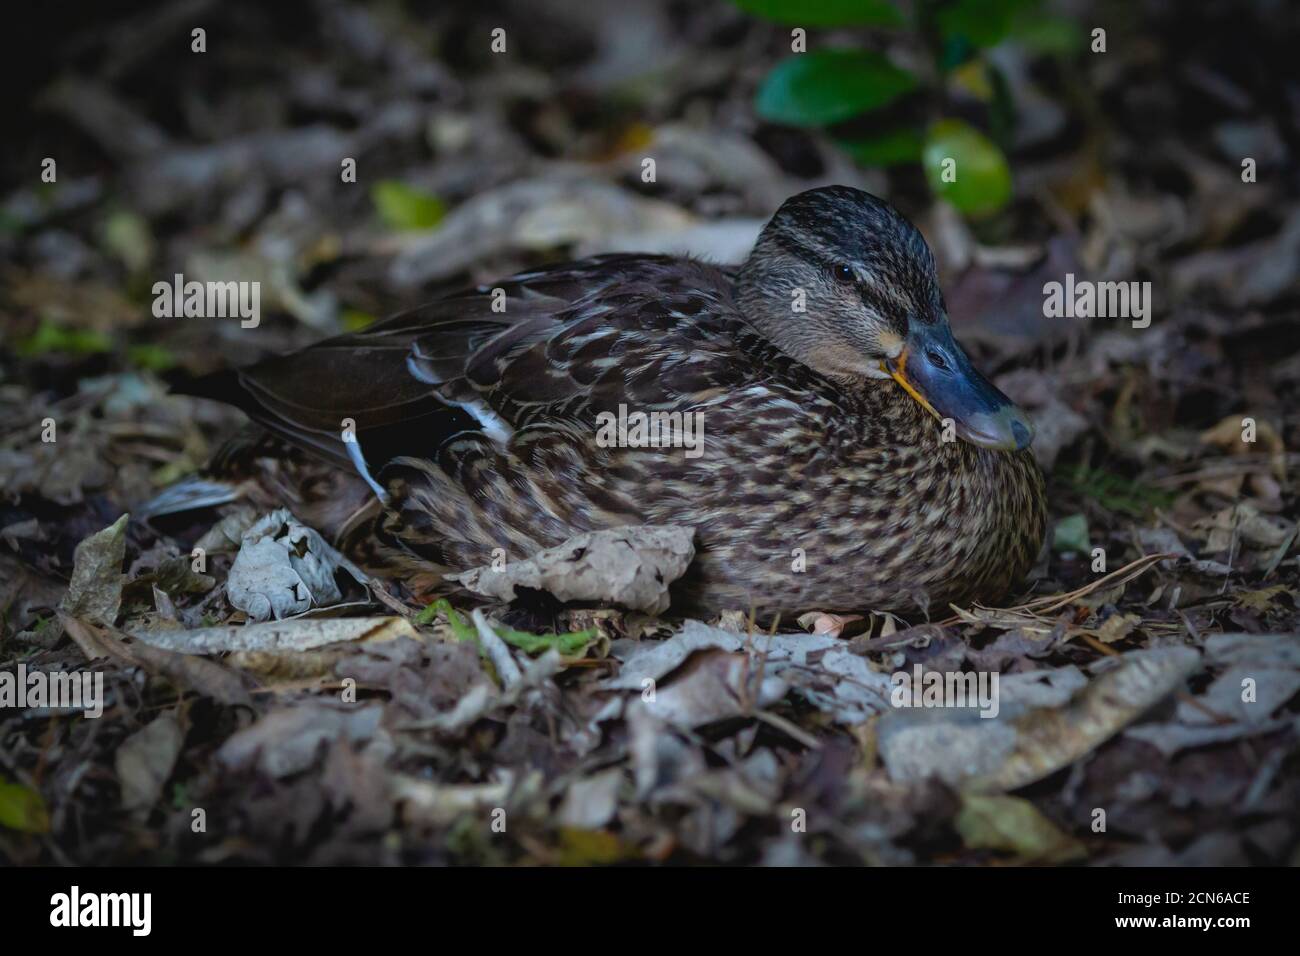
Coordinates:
842	282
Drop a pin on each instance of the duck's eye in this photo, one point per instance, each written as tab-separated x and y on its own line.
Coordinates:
845	273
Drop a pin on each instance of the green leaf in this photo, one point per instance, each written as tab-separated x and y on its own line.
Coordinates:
462	630
569	645
1013	825
981	178
817	89
954	51
404	207
22	808
825	13
974	78
593	848
892	148
354	320
155	358
49	337
1117	493
11	224
983	23
1071	535
1041	32
127	237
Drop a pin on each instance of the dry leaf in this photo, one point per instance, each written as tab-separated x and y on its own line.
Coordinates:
193	673
440	804
714	685
819	668
1264	599
1242	522
289	740
1047	740
1117	627
630	566
591	802
145	760
96	589
297	634
284	568
832	625
1227	434
1046	721
1014	825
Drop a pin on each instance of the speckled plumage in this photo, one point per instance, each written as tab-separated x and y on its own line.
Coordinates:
481	427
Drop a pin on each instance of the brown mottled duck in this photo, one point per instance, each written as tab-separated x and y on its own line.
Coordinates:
852	457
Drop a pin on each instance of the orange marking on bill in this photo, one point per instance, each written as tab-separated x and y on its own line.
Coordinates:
900	376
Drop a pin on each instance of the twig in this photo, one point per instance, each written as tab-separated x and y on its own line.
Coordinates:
1098	646
388	601
789	729
1046	605
497	651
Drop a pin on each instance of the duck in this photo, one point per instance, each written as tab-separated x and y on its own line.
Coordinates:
827	438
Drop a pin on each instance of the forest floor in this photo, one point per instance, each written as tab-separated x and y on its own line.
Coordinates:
1148	671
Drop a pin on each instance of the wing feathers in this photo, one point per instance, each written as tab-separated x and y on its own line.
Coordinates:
571	341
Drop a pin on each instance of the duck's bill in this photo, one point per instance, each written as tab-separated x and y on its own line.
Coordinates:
935	371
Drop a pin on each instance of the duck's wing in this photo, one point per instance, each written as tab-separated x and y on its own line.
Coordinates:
550	346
